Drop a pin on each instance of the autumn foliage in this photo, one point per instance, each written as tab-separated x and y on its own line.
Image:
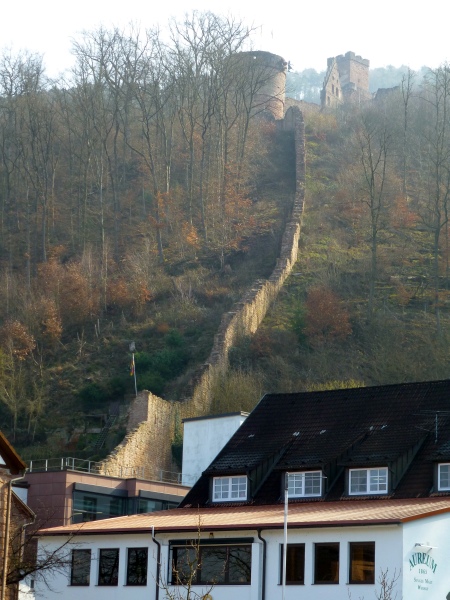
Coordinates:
326	317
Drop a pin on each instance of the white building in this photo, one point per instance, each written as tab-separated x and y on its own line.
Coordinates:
368	477
405	539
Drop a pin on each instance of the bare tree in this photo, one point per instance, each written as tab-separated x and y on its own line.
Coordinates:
374	144
27	560
434	162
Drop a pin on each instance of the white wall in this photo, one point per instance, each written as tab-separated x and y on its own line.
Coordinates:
203	439
60	582
389	555
388	545
427	581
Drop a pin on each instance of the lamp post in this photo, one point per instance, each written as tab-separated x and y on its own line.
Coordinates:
133	366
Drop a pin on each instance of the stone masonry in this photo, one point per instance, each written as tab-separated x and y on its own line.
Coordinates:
152	420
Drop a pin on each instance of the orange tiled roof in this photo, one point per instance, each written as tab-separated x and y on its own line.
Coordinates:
316	514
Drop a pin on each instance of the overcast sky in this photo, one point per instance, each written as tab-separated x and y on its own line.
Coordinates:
387	32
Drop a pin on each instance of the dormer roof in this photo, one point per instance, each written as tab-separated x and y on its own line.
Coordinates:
387	425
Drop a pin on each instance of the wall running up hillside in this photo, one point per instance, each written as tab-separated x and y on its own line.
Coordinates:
146	449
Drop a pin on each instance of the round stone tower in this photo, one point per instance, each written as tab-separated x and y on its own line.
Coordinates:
265	78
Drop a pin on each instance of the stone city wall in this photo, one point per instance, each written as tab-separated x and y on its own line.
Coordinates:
146	448
152	420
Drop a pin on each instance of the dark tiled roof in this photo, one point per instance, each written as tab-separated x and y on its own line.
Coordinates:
359	427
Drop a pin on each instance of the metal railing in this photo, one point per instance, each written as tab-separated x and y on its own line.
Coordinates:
68	463
99	468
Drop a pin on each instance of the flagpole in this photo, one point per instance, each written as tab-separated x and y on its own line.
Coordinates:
134	372
286	504
133	365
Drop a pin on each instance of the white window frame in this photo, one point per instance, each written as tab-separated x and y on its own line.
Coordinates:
370	487
230	489
441	487
297	481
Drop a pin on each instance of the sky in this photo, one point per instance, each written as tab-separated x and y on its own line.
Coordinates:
387	32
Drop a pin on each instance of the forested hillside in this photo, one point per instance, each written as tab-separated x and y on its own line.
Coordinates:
135	200
369	301
142	196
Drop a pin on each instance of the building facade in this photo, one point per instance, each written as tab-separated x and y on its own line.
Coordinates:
351	486
14	516
346	80
65	491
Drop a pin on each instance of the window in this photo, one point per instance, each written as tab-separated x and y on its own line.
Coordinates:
211	564
295	564
108	570
326	563
229	488
81	567
137	566
368	481
362	562
306	483
444	477
88	506
146	505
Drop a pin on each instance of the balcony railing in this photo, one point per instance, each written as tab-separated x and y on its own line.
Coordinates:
98	468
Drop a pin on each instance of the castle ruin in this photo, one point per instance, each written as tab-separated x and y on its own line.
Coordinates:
346	80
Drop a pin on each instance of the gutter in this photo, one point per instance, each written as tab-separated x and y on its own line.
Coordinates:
6	540
263	584
158	563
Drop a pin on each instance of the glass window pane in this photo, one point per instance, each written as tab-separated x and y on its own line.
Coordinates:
230	488
444	477
108	571
362	562
137	566
378	480
326	564
145	505
212	564
305	483
239	564
295	564
358	481
217	564
313	483
184	565
81	567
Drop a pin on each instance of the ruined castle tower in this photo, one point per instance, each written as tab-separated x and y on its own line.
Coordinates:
265	80
346	80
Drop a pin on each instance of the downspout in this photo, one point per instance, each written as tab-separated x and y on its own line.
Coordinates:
6	540
158	563
263	586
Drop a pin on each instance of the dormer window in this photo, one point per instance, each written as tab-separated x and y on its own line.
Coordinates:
304	484
229	489
444	477
368	481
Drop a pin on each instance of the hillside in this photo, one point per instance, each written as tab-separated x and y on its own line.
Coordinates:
368	303
140	200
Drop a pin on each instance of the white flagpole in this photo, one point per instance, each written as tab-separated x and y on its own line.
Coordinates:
133	365
286	504
134	372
